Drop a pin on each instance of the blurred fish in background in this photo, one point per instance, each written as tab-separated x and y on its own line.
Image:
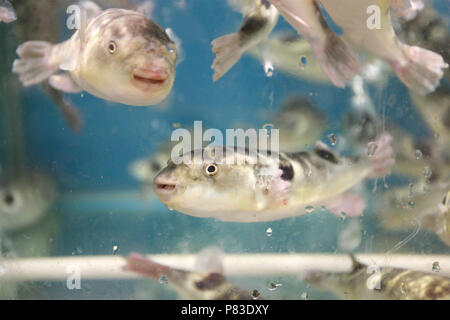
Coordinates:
423	204
260	17
25	199
418	68
301	124
377	283
207	282
7	13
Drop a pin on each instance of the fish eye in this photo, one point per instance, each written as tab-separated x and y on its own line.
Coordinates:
112	47
211	169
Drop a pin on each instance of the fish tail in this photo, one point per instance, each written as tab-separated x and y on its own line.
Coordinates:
422	71
33	65
228	52
336	59
381	156
146	267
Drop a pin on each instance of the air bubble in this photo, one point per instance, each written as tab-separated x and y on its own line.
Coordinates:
418	154
427	172
333	139
436	266
268	127
163	280
309	209
269	232
271	286
268	68
303	62
372	149
115	249
255	294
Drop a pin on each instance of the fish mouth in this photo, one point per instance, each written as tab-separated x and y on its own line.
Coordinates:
147	79
164	188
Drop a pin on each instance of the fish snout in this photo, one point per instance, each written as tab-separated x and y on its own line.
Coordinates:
164	187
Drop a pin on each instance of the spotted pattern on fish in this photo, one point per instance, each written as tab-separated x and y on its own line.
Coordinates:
288	172
327	155
252	25
126	23
210	282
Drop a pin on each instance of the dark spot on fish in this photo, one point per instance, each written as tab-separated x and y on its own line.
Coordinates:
424	147
290	38
303	159
327	155
8	199
210	282
288	171
252	25
266	3
446	118
155	166
364	124
436	289
129	22
445	200
117	32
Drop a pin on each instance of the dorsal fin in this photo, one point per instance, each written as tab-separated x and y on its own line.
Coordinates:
210	260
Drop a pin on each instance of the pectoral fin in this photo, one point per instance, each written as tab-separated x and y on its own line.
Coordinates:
347	205
64	82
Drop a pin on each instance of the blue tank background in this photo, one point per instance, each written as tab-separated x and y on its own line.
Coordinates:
97	158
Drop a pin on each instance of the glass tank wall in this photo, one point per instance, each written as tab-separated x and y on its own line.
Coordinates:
88	124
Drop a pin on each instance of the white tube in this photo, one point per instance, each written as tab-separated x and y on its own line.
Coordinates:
236	265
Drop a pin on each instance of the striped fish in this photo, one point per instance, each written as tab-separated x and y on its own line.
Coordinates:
236	184
368	283
260	17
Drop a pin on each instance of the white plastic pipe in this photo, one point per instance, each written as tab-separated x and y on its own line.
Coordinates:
237	265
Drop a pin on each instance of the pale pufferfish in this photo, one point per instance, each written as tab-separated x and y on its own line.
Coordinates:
118	55
419	69
7	13
265	186
205	282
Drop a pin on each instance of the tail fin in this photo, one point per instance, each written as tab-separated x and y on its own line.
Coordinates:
33	65
337	60
423	70
146	267
381	156
228	52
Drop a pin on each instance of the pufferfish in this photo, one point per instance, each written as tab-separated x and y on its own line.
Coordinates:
260	18
419	69
205	282
117	55
7	13
387	283
240	185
